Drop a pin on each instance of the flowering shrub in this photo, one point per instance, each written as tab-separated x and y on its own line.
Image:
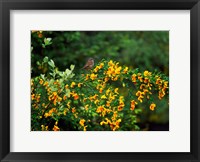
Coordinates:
108	97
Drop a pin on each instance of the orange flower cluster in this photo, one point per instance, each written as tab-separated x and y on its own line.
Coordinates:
98	99
162	86
55	98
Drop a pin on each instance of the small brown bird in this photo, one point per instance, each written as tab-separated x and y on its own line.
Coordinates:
89	64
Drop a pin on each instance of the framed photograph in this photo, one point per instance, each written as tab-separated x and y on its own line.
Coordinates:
99	80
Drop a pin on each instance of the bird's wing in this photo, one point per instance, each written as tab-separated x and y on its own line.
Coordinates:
86	65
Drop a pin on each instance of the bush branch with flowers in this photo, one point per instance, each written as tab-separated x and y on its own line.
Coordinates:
106	98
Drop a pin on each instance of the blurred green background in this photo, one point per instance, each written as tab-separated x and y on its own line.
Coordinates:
146	50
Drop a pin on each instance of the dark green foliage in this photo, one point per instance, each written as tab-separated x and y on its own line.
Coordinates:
145	50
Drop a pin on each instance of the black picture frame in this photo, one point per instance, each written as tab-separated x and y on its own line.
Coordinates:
7	5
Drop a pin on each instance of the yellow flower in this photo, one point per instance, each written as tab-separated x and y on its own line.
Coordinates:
49	90
55	98
140	78
101	65
118	121
134	78
73	84
121	103
147	73
96	101
66	86
65	112
92	98
125	70
110	63
100	109
166	84
54	94
75	115
100	90
158	81
84	129
116	90
105	122
64	97
106	79
121	106
87	77
80	84
142	86
81	122
96	69
44	128
75	96
86	107
68	104
37	97
56	128
149	85
161	95
121	99
115	79
140	98
41	81
45	84
138	93
108	91
152	106
117	70
111	97
133	103
115	125
73	110
111	71
107	103
32	96
103	97
53	110
145	91
115	114
93	76
146	80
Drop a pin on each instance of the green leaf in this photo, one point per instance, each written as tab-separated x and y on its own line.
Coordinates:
54	89
47	41
68	72
72	75
52	74
67	92
51	63
136	127
137	111
42	76
72	67
38	63
46	59
75	102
